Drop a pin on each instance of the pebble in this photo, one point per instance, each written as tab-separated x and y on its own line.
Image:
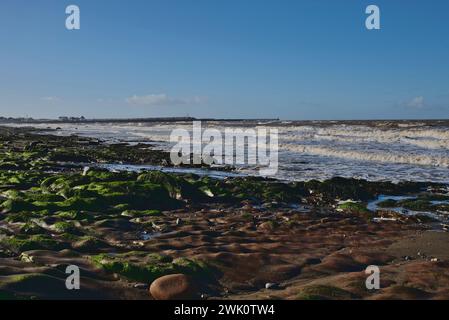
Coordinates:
266	226
142	286
271	285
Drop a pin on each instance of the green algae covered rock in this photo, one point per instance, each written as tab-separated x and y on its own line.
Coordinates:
354	207
16	205
64	227
20	244
32	228
88	244
177	187
144	267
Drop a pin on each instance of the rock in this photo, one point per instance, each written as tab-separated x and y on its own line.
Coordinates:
407	258
24	257
271	285
155	226
88	243
31	145
3	253
324	220
172	287
142	286
312	261
267	226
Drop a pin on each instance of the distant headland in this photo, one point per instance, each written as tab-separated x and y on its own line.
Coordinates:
82	119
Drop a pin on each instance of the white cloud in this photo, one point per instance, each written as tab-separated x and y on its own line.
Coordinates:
416	102
51	99
161	100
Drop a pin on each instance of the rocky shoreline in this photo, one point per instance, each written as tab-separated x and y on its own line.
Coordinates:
191	236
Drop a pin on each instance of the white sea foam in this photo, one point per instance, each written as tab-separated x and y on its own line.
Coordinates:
375	156
425	138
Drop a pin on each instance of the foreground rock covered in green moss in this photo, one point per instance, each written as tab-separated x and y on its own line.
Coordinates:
230	236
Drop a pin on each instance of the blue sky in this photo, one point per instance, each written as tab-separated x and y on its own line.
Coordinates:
225	58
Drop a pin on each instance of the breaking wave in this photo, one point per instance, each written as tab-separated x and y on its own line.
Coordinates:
376	156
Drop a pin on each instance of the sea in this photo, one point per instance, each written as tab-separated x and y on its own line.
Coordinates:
372	150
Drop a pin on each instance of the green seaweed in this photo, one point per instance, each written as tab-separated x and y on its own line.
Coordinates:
354	207
20	244
152	267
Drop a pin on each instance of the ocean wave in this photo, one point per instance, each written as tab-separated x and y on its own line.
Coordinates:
425	138
374	156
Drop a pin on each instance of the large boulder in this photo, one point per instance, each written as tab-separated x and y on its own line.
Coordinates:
173	287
